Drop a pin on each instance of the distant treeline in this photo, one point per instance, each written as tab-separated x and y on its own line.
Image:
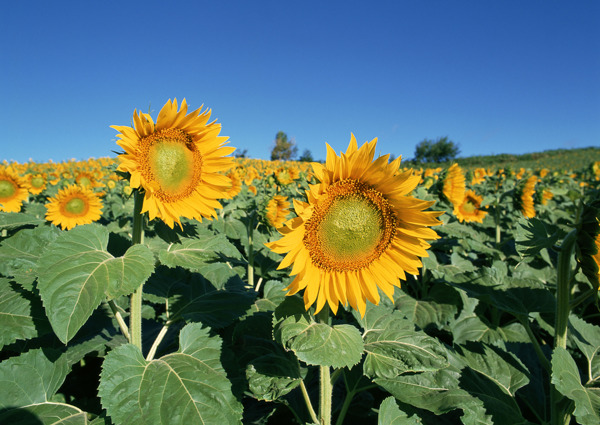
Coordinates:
555	159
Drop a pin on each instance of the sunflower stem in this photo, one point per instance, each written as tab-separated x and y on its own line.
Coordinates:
309	406
326	389
536	345
250	257
137	236
119	317
559	415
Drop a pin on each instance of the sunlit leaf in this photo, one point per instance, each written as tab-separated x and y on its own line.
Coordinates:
390	414
186	387
76	273
44	414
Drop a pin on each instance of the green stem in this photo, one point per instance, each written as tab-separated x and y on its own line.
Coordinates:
137	236
582	297
563	289
309	406
326	390
559	415
251	250
497	221
157	341
119	317
345	407
536	345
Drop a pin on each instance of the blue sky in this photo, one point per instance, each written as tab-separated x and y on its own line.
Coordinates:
494	76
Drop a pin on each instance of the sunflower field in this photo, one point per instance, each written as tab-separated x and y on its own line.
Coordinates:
176	284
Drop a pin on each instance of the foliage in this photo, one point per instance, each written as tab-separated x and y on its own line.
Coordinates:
440	150
284	149
469	340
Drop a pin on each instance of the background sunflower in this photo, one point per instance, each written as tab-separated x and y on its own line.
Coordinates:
72	206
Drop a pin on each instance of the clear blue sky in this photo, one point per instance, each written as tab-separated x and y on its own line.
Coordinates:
510	76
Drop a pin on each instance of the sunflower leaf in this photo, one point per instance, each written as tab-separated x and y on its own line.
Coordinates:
189	386
316	343
44	414
566	379
31	378
20	253
587	339
194	253
533	235
390	414
76	273
16	220
21	314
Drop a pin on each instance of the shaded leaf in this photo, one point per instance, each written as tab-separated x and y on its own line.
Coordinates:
587	339
390	414
533	235
44	414
194	253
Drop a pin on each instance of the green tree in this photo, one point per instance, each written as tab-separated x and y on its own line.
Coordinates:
284	149
306	156
440	150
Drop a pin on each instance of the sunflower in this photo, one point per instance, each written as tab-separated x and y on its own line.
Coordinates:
177	162
454	185
359	230
13	190
527	197
36	183
478	176
277	210
469	209
72	206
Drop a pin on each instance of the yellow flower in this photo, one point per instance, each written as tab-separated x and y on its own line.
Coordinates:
469	209
177	162
478	176
277	210
527	197
454	185
13	190
359	230
36	183
72	206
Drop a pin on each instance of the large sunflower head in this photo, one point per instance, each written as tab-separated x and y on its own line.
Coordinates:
13	190
72	206
588	242
359	231
469	210
177	161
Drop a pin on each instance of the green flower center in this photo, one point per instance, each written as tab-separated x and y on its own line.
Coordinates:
84	181
351	226
76	206
468	206
37	182
7	189
351	229
170	160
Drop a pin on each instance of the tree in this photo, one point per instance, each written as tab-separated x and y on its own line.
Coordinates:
306	156
284	149
441	150
243	153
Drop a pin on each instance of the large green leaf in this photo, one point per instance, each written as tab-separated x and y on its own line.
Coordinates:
214	300
316	343
21	314
273	375
472	328
44	414
194	253
16	220
533	235
19	253
566	379
501	367
31	378
392	352
437	392
77	272
587	339
186	387
437	309
493	286
390	414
